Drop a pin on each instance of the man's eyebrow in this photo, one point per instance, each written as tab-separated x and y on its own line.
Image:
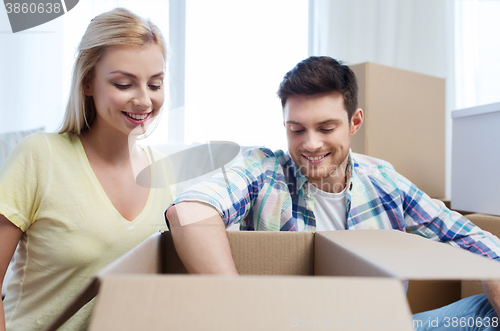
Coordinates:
330	121
128	74
320	123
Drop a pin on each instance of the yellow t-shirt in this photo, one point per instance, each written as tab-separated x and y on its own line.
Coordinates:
71	229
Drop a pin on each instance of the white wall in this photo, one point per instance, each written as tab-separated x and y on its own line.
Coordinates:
415	35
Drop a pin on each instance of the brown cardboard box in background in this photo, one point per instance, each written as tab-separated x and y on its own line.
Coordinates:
370	266
404	123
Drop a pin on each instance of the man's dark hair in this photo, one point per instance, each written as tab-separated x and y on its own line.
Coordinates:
319	74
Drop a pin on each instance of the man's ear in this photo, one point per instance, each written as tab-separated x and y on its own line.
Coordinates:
356	121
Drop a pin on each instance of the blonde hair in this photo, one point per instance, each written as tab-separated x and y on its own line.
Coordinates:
117	27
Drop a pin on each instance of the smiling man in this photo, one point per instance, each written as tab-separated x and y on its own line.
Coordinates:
319	184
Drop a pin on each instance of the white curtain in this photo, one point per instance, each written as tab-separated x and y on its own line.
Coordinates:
416	35
30	75
477	52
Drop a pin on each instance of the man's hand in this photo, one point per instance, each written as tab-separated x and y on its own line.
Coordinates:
492	291
200	239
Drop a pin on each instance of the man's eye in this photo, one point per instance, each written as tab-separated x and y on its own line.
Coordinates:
122	87
326	130
296	129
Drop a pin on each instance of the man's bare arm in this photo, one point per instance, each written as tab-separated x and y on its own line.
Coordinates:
200	239
492	291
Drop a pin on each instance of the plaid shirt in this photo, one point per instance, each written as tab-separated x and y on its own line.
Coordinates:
267	192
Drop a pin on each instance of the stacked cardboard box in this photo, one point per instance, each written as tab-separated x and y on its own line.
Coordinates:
404	123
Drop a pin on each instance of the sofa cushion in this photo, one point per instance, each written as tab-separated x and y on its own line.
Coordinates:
9	140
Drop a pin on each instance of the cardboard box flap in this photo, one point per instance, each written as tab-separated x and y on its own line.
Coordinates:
144	258
397	254
333	259
159	302
81	300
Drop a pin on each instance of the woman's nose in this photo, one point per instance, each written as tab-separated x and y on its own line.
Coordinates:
142	99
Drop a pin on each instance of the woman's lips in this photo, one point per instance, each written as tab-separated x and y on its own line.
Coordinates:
139	118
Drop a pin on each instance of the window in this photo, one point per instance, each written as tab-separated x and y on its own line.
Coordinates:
477	52
237	53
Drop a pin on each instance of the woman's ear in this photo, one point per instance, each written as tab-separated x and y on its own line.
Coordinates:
87	90
88	86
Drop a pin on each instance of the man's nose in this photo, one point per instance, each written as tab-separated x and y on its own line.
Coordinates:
313	142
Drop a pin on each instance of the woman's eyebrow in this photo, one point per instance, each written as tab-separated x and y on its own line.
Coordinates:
161	73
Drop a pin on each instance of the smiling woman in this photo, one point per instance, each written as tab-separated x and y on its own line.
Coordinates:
127	89
70	200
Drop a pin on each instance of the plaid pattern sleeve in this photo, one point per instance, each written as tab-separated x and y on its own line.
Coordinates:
383	199
432	219
266	192
256	193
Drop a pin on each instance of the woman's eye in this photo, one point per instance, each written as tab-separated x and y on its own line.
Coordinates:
122	87
326	130
154	87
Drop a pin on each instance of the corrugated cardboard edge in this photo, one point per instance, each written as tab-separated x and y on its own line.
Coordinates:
409	256
140	266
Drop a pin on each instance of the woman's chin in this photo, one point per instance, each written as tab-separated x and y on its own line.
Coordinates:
139	130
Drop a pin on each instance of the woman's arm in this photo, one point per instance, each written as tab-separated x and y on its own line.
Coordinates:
9	237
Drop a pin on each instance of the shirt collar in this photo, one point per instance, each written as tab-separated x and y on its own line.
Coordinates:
300	179
350	171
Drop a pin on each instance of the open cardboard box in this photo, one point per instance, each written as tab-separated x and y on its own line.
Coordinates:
141	290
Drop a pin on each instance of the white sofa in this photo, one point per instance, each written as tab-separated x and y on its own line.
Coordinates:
7	143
